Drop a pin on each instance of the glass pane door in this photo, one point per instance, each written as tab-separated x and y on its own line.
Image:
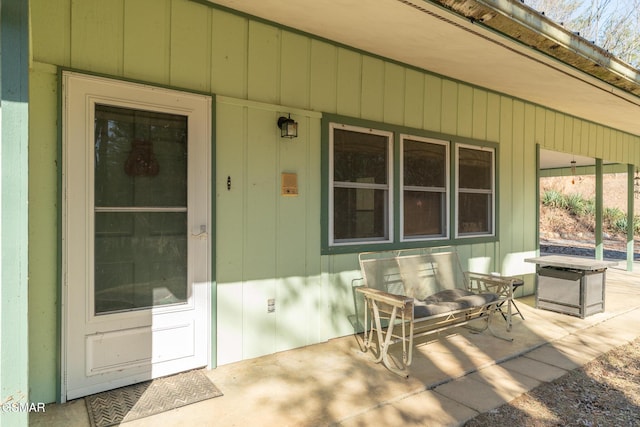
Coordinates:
140	208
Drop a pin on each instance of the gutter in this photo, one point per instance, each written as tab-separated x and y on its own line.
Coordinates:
531	28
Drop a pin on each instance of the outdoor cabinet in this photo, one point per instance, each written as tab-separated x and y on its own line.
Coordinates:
575	292
570	285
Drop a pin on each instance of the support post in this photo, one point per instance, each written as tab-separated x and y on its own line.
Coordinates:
630	216
538	204
14	124
599	209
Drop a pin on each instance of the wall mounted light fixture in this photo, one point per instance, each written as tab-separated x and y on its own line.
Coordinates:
288	127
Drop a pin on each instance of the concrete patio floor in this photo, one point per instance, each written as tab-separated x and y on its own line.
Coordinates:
454	376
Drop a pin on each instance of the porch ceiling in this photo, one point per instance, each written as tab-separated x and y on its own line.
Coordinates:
426	35
554	160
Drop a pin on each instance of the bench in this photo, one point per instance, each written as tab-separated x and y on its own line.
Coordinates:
421	292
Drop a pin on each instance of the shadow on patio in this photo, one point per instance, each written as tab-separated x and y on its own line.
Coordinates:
451	380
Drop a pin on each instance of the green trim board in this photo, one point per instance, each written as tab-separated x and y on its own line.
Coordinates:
213	350
267	106
14	195
43	229
584	170
59	271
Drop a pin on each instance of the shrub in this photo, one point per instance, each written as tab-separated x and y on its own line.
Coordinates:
590	207
616	219
612	214
554	199
576	204
620	225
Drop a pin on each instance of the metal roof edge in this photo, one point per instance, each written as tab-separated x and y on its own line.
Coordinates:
522	23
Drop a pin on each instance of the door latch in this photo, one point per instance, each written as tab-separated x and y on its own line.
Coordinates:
200	232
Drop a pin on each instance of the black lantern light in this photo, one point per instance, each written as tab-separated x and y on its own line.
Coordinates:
288	127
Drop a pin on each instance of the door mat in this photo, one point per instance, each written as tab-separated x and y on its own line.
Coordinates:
141	400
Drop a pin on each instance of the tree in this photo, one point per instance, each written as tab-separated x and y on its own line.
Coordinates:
560	11
614	25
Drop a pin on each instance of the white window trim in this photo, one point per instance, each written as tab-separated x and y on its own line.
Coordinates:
389	221
446	190
491	192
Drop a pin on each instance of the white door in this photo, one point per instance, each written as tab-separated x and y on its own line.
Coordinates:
136	220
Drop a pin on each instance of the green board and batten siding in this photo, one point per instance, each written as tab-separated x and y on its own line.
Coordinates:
268	245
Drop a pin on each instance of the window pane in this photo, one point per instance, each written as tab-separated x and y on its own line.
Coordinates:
474	168
140	260
474	213
423	213
424	164
360	157
136	153
360	213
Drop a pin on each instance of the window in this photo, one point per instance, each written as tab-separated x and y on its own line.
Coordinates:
387	189
360	184
424	188
475	190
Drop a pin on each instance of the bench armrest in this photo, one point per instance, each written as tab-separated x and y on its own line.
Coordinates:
385	297
502	286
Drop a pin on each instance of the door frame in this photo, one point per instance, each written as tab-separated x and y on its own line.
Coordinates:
210	301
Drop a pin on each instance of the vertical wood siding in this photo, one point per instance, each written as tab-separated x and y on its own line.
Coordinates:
269	245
